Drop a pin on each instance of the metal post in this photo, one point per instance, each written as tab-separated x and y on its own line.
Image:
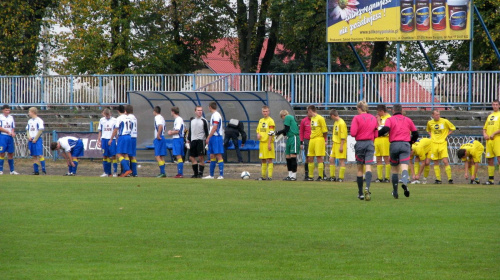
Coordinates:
329	58
471	57
398	65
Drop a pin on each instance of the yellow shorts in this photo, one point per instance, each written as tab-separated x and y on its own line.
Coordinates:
478	155
421	154
317	147
382	146
439	150
335	151
264	153
493	148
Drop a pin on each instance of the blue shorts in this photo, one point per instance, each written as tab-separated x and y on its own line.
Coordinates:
107	150
160	147
36	149
133	148
6	144
178	146
216	145
78	149
124	144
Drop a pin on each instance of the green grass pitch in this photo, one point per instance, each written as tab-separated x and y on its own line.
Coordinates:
147	228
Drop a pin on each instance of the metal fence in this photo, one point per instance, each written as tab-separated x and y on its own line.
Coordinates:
21	145
416	88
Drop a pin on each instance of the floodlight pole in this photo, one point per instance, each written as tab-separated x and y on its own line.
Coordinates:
398	65
480	18
471	44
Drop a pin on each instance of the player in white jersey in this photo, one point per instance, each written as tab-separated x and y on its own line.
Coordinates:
159	141
7	134
34	130
123	129
215	142
178	140
106	125
71	148
129	109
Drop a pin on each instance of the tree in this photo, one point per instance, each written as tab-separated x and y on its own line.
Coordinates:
123	36
20	25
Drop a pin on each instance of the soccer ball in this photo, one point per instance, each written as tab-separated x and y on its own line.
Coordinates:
245	175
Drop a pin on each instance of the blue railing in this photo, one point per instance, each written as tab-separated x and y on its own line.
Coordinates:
432	89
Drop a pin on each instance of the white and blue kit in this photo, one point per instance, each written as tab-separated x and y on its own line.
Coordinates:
33	127
106	128
159	144
72	145
6	140
178	139
124	126
133	135
216	144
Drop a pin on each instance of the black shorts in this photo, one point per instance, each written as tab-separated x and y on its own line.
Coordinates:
197	148
364	151
399	153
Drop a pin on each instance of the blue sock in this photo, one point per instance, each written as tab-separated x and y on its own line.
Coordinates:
125	165
212	167
133	166
162	168
368	177
1	163
221	168
180	168
11	164
70	169
104	166
115	167
108	168
42	162
35	167
76	166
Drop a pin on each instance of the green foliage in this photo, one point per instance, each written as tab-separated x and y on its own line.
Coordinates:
150	36
148	228
20	25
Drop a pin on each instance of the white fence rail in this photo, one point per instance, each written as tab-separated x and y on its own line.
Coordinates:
419	88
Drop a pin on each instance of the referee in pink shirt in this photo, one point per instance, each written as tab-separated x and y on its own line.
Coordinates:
402	133
364	130
305	135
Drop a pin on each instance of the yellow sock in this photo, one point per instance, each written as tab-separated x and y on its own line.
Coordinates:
179	160
321	168
120	159
471	170
427	169
160	163
134	160
115	161
447	169
437	171
388	171
332	170
342	173
263	170
380	170
491	171
270	168
310	166
416	168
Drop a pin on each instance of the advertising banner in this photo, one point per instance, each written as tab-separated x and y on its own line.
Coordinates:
398	20
90	144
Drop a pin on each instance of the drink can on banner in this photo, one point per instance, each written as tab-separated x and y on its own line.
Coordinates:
407	15
438	14
422	15
458	14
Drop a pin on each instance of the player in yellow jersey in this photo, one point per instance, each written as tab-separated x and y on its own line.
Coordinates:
491	133
471	153
439	129
317	143
420	150
265	135
382	147
339	146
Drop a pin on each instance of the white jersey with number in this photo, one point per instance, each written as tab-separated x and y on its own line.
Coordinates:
67	143
7	123
34	125
124	125
133	120
106	127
